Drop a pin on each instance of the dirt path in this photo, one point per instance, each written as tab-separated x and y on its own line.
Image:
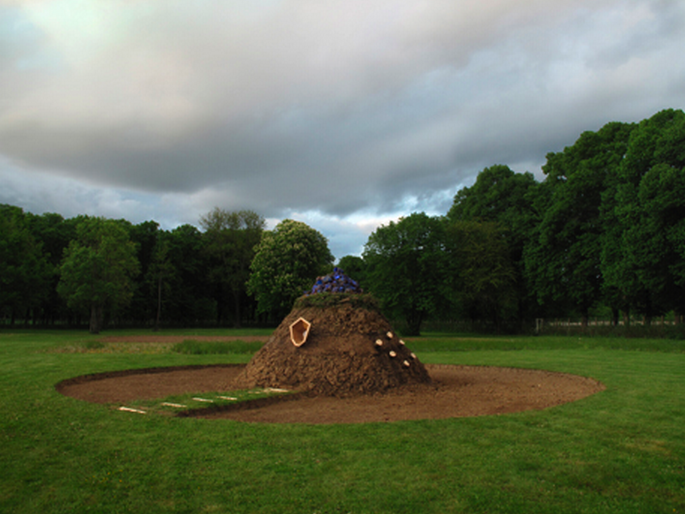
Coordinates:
456	391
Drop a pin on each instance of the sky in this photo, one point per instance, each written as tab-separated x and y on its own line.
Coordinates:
343	114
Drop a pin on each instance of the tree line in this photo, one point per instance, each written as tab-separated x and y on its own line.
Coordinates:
95	271
605	228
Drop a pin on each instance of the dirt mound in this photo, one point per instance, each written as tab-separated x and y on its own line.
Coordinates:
350	350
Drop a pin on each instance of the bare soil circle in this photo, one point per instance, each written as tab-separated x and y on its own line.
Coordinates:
455	391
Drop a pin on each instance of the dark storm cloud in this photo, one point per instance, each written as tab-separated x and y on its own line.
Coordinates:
329	108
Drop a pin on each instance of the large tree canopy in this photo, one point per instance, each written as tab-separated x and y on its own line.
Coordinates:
564	256
354	267
483	274
24	271
189	299
287	261
231	239
502	196
643	253
407	268
499	194
97	269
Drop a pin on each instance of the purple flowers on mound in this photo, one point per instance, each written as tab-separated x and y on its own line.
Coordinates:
336	282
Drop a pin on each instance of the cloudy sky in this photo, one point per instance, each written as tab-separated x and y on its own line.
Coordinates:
343	114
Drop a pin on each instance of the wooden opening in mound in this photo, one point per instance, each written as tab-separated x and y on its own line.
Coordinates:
350	350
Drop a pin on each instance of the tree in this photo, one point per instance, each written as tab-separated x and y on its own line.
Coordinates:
24	270
191	301
145	236
407	268
98	268
354	267
287	261
504	197
658	244
499	194
54	233
231	240
563	260
161	270
483	272
643	254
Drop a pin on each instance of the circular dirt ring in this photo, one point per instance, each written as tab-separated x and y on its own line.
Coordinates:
456	391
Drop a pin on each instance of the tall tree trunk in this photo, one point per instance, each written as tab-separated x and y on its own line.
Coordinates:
584	317
237	313
220	305
96	312
414	320
614	316
159	303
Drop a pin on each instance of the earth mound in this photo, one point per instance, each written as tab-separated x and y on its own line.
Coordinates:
350	349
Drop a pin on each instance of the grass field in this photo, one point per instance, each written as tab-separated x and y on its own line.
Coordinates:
620	451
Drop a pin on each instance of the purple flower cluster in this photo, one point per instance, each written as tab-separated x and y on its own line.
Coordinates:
336	282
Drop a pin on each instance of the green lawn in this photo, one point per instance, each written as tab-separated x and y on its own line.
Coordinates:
620	451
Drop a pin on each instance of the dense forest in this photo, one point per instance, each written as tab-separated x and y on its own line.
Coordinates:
604	231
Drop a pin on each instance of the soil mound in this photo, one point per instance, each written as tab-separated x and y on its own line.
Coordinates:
350	349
